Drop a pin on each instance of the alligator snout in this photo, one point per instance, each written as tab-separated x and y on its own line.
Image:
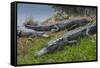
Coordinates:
41	52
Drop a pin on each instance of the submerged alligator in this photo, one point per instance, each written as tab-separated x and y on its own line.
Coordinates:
23	32
67	24
68	38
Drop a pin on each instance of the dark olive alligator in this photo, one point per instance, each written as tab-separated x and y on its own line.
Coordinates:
68	38
67	24
23	32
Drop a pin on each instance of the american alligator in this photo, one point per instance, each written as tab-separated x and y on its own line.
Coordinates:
23	32
68	38
67	24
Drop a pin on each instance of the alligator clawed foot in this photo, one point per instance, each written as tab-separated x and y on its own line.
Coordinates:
72	41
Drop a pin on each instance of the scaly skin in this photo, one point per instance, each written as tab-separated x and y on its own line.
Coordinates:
30	33
67	24
68	38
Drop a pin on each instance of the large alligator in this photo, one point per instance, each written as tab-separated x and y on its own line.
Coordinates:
23	32
67	24
68	38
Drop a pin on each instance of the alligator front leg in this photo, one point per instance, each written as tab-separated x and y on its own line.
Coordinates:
55	28
68	42
73	27
72	41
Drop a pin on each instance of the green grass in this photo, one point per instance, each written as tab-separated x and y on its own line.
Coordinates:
84	51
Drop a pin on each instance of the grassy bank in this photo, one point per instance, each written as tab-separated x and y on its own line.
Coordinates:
84	51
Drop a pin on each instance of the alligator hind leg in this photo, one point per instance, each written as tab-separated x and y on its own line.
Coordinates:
87	33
